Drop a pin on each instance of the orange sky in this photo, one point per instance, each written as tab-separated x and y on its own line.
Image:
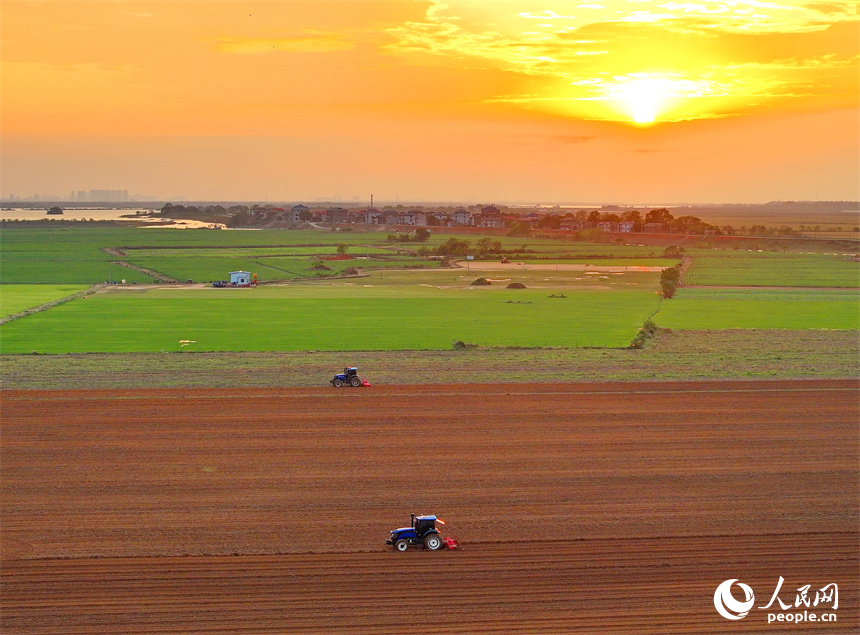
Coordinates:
629	101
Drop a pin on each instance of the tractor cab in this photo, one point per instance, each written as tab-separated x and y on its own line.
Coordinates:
423	524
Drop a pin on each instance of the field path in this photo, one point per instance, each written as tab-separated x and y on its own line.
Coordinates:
583	508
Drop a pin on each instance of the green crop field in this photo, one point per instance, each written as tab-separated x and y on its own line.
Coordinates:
207	266
47	268
78	254
761	309
254	252
69	254
409	311
543	247
403	301
15	298
773	269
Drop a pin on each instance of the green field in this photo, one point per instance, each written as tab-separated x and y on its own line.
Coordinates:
403	301
771	269
78	254
69	254
410	311
15	298
761	309
206	266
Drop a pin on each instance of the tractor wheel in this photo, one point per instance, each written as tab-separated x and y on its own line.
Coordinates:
355	382
337	383
401	545
433	542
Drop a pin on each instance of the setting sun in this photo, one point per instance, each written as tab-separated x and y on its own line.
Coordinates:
643	98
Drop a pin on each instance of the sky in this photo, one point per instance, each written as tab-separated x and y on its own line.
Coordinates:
612	101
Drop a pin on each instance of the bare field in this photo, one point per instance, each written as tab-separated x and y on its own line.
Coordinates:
637	586
583	508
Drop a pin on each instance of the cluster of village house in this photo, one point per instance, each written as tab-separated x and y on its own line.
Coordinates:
487	217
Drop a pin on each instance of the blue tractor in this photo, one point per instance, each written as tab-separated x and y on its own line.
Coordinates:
422	532
348	376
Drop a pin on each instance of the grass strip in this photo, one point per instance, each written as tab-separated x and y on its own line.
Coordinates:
679	355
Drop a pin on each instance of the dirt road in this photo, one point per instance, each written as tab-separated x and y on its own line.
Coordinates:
592	508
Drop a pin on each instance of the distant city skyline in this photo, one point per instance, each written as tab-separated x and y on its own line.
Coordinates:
524	100
83	196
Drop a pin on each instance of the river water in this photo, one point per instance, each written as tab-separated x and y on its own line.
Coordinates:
71	213
77	213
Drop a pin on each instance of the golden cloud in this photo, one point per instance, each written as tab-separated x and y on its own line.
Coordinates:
693	59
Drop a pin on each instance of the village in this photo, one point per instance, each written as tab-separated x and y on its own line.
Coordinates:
486	217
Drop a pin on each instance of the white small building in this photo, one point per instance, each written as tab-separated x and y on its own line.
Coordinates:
240	278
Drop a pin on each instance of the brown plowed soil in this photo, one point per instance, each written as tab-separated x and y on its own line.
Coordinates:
583	508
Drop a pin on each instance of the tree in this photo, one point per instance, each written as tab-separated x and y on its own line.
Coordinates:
487	245
305	215
421	235
341	249
632	216
661	215
549	221
238	219
173	210
670	278
453	247
689	225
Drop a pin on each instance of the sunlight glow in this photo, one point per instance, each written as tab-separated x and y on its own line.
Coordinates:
643	98
646	99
